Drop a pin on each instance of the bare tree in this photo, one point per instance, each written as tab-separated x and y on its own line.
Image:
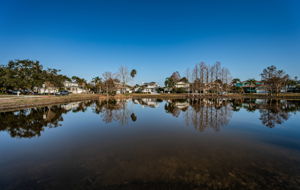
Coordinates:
217	70
202	76
212	73
196	79
124	77
225	78
213	78
188	74
188	77
176	76
109	82
274	79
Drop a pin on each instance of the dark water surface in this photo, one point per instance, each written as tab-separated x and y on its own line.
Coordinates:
152	144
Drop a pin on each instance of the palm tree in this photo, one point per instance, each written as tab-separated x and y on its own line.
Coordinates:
234	87
80	81
235	81
133	73
251	82
97	81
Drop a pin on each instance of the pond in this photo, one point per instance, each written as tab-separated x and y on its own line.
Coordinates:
152	144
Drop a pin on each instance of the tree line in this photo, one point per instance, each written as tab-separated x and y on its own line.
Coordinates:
110	82
203	78
31	75
28	74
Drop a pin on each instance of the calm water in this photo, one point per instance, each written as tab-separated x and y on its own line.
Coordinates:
152	144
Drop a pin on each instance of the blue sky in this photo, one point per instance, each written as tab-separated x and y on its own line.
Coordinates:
87	38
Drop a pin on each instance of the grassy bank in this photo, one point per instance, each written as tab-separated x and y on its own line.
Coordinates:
9	102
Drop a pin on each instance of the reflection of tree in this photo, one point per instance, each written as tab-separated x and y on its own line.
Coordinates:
272	112
236	104
275	112
82	106
113	110
172	109
30	122
133	117
175	106
209	113
201	113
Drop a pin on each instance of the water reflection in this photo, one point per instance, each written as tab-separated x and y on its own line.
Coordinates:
114	110
158	154
272	112
202	114
31	122
148	102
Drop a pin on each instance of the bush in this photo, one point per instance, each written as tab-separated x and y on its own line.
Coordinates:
179	90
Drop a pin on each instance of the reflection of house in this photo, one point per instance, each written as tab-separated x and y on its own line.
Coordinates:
260	101
70	106
182	105
147	102
73	87
49	115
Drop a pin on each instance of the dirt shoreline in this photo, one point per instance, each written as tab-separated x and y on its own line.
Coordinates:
8	103
14	103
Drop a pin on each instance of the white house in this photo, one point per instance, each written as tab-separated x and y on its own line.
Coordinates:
74	88
150	87
47	88
182	84
126	89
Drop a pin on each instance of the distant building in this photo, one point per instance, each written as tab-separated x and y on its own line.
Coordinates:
182	84
47	88
258	87
74	87
123	89
150	87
